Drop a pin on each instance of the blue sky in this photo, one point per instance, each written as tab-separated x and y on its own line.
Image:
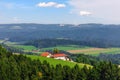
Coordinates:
60	11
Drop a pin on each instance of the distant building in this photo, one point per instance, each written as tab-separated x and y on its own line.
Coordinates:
46	54
60	56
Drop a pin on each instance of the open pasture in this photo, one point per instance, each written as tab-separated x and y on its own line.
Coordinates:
54	62
96	51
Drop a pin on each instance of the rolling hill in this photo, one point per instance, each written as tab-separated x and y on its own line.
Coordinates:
54	62
107	35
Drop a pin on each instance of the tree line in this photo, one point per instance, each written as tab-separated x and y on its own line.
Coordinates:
92	60
44	43
20	67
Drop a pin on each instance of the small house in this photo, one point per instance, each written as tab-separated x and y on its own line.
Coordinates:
60	56
46	54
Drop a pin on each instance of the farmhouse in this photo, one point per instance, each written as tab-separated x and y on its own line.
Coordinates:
46	54
60	56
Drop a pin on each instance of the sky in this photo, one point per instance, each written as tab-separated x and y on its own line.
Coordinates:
60	11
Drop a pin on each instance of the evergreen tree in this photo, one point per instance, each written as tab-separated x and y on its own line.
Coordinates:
55	51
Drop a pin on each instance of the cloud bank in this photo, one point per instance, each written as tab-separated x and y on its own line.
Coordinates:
50	4
85	13
106	9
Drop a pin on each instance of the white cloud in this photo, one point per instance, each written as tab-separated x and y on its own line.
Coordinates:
51	4
85	13
104	9
60	6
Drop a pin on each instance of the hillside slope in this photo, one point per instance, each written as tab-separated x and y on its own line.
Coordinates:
54	62
94	33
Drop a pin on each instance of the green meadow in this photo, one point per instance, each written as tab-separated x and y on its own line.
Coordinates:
97	51
66	47
54	62
74	49
25	48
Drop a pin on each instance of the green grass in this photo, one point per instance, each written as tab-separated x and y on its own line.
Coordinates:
95	52
54	62
66	47
106	50
73	47
11	43
17	45
26	48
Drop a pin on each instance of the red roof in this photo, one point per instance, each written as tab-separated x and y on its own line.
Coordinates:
45	54
59	55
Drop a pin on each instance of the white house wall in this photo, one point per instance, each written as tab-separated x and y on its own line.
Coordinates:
49	55
62	58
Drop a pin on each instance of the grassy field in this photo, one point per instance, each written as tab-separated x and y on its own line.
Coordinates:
54	62
10	43
66	47
26	48
15	44
74	49
96	51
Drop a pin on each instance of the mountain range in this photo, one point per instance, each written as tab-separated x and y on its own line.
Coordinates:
108	34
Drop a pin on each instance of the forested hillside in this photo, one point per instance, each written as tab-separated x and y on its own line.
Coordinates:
107	35
92	60
19	67
44	43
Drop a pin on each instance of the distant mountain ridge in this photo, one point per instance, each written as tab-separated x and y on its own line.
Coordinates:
108	34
